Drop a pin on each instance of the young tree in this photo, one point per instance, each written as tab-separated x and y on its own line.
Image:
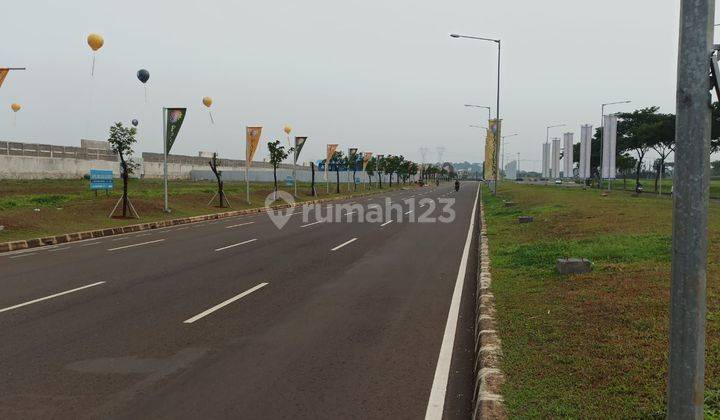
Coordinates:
380	169
277	155
664	144
370	168
413	170
337	159
313	192
121	141
214	163
356	159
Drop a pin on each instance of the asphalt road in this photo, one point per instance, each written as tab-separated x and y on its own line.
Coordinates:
239	319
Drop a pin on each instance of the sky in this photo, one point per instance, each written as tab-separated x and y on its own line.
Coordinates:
383	76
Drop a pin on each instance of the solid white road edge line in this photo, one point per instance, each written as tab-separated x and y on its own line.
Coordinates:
238	244
30	302
134	245
436	403
343	244
238	225
220	305
27	254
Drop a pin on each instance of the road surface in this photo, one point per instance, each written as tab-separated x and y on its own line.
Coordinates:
239	319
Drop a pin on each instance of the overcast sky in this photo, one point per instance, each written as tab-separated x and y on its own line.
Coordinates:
383	76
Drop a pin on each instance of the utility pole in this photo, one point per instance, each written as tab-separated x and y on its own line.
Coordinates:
688	288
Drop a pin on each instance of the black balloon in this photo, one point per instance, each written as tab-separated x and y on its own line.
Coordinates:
135	122
143	75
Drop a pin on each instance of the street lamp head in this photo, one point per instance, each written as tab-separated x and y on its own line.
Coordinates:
455	35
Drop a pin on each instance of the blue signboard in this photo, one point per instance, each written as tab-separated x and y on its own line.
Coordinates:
288	181
101	179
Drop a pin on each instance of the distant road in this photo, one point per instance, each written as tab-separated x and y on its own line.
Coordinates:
238	319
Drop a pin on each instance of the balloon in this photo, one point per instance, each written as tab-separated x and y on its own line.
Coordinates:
143	75
207	101
95	41
287	129
135	123
15	107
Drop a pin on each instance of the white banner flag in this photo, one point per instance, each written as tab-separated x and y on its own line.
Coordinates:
585	151
568	158
556	158
609	146
546	160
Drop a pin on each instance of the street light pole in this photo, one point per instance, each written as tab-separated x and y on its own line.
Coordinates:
497	100
688	287
481	106
502	149
602	144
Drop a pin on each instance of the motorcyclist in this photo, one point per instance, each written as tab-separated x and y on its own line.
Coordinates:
457	185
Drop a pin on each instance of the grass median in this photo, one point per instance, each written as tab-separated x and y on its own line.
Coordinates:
38	208
592	345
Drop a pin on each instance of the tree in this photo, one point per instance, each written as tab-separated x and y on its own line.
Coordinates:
625	164
664	144
277	155
354	164
313	192
380	167
392	164
370	168
637	131
413	170
337	159
214	164
715	165
121	141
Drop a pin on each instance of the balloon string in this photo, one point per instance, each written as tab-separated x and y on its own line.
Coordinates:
92	72
212	120
145	93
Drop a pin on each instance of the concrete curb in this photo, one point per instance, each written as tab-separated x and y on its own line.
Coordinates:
99	233
487	401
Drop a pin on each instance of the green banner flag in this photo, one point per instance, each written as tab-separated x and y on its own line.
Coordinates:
299	143
174	118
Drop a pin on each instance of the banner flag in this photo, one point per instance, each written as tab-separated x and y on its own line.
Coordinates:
491	150
299	143
173	121
585	151
555	158
366	159
568	158
609	139
331	148
252	140
546	160
352	152
3	74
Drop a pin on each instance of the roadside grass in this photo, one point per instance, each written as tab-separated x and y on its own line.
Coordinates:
592	345
38	208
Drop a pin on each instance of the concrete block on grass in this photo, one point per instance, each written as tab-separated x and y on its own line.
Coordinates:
509	203
573	266
525	219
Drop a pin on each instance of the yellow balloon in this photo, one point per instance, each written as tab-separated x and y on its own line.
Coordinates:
207	101
95	41
15	107
287	129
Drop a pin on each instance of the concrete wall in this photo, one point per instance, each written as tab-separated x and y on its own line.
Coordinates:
36	161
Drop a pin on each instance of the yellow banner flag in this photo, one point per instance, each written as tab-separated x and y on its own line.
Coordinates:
252	138
3	74
366	158
491	150
331	148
